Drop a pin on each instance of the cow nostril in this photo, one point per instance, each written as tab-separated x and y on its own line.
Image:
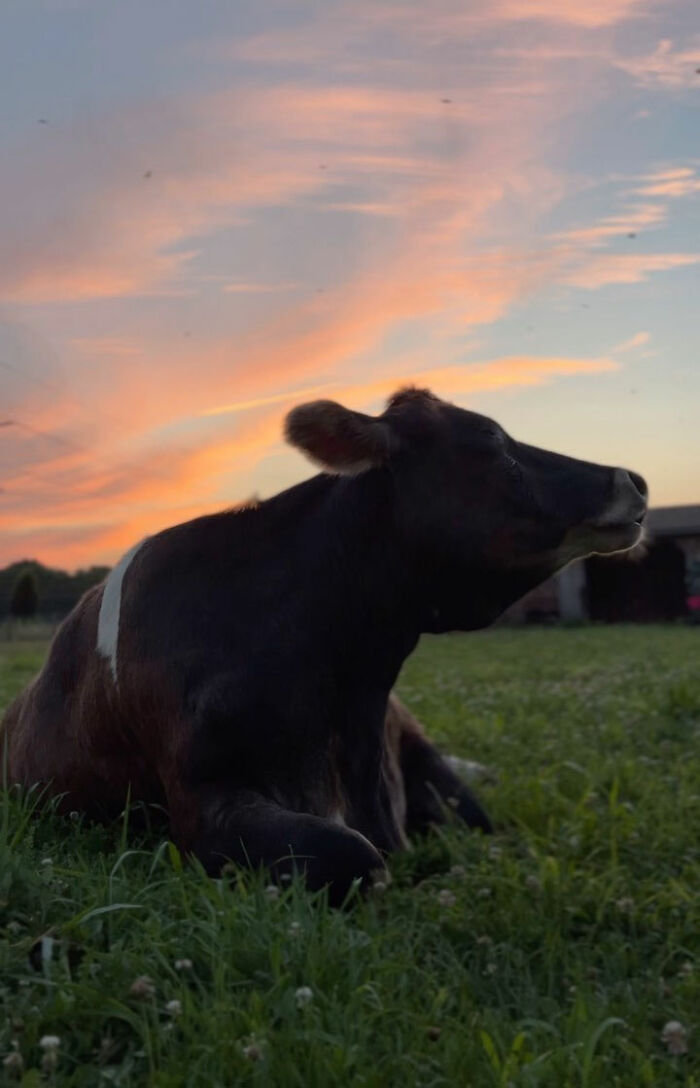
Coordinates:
640	483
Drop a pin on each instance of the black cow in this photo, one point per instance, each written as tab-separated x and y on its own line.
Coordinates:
237	667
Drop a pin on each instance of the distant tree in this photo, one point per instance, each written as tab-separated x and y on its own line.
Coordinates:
25	596
58	591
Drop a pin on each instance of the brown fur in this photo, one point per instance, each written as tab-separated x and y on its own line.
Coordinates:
336	438
71	731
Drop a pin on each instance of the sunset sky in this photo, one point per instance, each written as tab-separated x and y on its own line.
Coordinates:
212	211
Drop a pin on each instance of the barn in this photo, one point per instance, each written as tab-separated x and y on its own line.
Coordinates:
654	587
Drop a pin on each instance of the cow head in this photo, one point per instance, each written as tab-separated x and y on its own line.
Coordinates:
485	517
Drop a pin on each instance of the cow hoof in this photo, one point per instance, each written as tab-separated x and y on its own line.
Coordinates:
340	860
471	811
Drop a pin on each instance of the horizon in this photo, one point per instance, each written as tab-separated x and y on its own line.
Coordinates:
211	214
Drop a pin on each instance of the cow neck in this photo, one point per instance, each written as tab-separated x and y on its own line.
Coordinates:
461	597
369	606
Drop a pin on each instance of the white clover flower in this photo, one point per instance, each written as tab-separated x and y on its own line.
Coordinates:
379	886
625	905
14	1063
675	1036
174	1007
483	893
484	941
272	892
183	965
294	929
446	898
142	987
49	1044
303	996
253	1051
458	871
46	861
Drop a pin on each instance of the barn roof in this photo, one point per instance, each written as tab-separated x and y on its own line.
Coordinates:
674	521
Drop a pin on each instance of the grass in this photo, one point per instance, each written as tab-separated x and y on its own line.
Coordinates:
554	956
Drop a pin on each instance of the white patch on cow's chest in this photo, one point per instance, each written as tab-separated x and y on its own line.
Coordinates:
108	622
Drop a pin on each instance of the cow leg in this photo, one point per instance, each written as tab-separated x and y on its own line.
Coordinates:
430	783
250	830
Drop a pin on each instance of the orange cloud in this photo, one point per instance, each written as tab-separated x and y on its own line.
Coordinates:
148	495
101	513
637	341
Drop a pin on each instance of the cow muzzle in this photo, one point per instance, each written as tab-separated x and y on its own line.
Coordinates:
621	523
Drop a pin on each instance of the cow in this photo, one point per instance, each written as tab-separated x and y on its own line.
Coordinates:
237	668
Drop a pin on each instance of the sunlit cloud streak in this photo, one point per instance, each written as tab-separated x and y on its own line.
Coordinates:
149	490
669	65
639	340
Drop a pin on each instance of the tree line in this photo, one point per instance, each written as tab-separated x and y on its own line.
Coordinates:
28	588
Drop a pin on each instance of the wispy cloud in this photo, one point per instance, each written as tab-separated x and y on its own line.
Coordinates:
146	495
637	341
676	182
627	223
668	65
256	288
610	268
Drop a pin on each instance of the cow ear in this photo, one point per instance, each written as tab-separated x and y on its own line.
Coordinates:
339	440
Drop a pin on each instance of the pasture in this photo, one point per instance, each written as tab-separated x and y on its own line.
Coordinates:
552	954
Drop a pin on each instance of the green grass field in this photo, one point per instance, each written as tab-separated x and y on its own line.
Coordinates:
551	954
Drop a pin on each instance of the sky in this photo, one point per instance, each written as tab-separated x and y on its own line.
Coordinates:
211	212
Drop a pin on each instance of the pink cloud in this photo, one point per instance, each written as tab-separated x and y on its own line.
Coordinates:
668	65
590	15
637	218
675	182
633	268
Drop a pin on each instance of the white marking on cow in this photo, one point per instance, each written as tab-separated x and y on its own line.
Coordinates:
110	608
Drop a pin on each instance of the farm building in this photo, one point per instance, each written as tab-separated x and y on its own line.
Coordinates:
656	585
